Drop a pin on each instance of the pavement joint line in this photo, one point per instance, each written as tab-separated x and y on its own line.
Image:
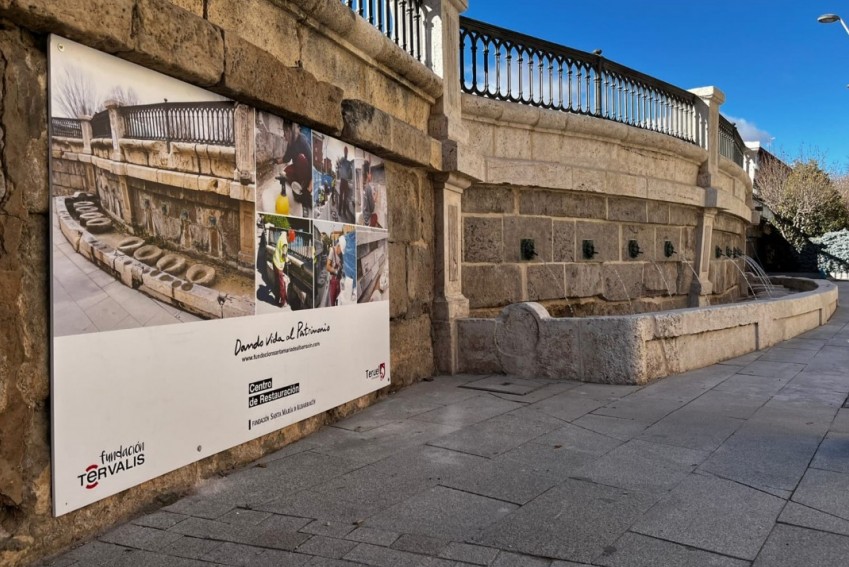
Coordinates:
709	474
687	546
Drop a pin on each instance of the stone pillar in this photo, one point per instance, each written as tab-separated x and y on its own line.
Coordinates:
247	233
85	126
116	124
712	98
443	21
449	304
244	120
700	289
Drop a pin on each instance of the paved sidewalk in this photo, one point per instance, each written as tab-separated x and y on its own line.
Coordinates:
741	463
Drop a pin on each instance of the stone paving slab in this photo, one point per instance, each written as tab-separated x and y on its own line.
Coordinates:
635	550
715	515
789	546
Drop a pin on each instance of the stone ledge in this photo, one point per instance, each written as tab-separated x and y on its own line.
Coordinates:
258	78
386	135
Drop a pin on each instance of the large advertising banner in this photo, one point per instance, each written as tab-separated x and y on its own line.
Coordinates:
218	273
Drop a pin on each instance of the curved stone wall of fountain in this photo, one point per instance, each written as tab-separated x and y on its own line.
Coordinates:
525	340
614	214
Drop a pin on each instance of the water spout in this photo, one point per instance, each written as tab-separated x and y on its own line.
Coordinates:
625	289
662	277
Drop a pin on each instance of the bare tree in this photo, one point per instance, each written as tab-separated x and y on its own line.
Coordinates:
75	94
124	96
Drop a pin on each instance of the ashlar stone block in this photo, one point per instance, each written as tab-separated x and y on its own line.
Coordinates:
488	199
644	236
562	204
583	280
605	238
563	240
483	239
545	281
622	282
628	210
521	228
492	285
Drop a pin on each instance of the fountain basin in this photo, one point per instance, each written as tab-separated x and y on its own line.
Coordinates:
525	340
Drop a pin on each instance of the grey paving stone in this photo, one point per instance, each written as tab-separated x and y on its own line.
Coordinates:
507	559
817	380
317	506
644	466
327	562
493	436
841	421
769	455
692	428
744	360
400	476
442	390
839	340
475	554
326	547
424	545
826	491
772	369
374	536
98	553
574	521
328	528
643	410
750	386
728	404
779	354
140	537
687	385
443	513
505	385
161	520
504	479
143	558
376	444
385	412
540	394
833	453
798	515
569	564
439	562
568	405
804	344
297	447
715	515
384	556
635	550
547	459
809	396
278	532
253	556
825	332
191	547
830	359
243	517
573	437
469	411
618	428
789	546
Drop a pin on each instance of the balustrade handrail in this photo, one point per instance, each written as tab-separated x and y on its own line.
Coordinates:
101	126
406	31
66	127
593	85
731	144
193	122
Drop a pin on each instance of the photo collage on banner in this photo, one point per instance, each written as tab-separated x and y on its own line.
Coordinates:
196	246
322	235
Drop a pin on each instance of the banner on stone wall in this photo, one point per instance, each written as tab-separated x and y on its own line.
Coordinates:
218	273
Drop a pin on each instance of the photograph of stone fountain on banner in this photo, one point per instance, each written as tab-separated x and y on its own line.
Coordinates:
171	204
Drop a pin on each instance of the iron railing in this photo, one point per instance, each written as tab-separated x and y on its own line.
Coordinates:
66	127
730	143
100	125
195	122
504	65
402	21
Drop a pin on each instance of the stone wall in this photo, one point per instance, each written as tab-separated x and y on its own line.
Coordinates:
282	56
567	181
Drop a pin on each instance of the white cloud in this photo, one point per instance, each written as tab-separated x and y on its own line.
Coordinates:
750	132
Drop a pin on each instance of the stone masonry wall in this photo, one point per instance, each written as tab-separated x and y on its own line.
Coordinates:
278	56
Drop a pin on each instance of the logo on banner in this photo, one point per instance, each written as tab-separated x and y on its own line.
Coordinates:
378	373
112	463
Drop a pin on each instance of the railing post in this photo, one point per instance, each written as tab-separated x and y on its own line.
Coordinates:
444	19
599	70
85	128
116	124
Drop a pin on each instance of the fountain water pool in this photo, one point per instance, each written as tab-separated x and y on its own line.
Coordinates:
525	340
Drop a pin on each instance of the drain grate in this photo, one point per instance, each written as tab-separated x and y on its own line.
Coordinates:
505	385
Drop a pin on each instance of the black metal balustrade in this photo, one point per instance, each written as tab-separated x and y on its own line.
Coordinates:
504	65
195	122
730	143
66	127
402	21
101	127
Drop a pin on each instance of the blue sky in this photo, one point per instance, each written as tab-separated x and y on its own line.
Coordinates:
784	74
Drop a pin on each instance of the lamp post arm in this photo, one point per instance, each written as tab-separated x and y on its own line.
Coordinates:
842	23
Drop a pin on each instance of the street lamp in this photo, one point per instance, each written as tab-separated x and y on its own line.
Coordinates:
831	18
